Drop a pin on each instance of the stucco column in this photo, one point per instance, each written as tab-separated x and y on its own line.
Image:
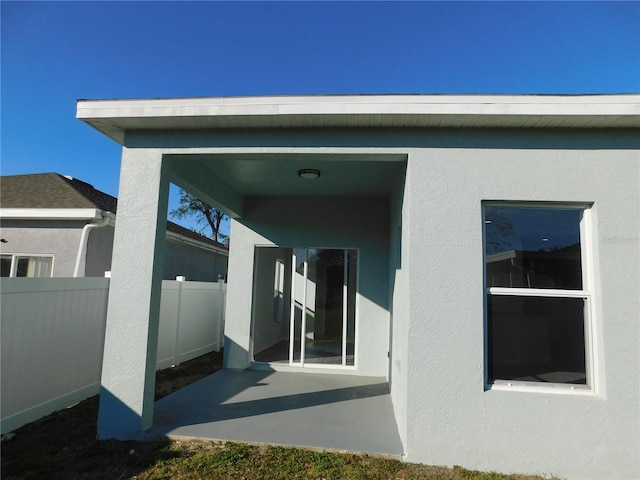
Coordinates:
131	337
237	327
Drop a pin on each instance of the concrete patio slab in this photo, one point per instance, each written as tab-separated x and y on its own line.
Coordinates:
340	412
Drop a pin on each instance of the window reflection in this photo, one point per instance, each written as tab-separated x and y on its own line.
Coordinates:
537	339
533	247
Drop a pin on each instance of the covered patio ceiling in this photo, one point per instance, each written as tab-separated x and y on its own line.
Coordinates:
226	180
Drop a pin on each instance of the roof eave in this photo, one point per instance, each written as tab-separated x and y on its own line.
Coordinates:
114	117
176	237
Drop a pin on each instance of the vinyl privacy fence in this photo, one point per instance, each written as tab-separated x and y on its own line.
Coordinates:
52	338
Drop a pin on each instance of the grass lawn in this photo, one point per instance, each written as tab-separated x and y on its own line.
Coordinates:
191	460
64	446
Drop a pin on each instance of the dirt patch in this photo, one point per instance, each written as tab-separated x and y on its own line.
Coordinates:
172	379
63	445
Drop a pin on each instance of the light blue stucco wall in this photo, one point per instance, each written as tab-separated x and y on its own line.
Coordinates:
269	328
444	412
426	270
399	266
452	418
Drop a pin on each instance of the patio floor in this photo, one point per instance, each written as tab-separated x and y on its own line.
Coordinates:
340	412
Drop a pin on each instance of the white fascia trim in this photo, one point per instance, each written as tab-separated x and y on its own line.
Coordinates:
176	237
51	213
363	104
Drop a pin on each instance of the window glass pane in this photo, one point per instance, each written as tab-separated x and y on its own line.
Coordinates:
34	266
533	247
5	265
23	267
325	296
40	266
536	339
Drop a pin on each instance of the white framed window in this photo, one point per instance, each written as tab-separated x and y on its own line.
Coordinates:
20	265
538	294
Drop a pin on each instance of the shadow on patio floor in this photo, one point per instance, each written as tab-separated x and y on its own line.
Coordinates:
304	409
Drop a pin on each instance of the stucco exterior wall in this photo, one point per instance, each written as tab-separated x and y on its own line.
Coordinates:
99	248
425	268
452	419
267	329
194	263
399	302
131	333
62	239
361	223
32	237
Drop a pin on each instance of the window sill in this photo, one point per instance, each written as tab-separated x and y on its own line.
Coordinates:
553	388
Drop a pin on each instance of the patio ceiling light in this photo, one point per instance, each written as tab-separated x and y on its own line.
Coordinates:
308	173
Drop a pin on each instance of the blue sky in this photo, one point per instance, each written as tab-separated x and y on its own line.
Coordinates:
53	53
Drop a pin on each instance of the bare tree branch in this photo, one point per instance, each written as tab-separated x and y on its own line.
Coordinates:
204	214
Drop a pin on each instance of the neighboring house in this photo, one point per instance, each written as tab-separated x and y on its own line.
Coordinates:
480	252
58	226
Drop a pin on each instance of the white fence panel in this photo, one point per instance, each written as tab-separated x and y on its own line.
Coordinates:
52	338
169	311
199	300
52	342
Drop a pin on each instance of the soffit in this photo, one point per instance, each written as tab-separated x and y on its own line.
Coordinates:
114	117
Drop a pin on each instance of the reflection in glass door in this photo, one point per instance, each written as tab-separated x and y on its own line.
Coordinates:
321	291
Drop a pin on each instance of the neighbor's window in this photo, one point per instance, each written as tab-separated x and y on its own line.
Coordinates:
537	295
25	266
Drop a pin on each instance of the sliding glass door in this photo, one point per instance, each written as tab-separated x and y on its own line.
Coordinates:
321	294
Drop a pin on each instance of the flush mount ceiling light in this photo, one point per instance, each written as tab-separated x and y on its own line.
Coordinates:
308	173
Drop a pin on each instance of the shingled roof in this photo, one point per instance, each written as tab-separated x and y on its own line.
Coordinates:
52	190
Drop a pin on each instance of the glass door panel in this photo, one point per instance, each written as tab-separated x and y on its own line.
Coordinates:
319	291
326	292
